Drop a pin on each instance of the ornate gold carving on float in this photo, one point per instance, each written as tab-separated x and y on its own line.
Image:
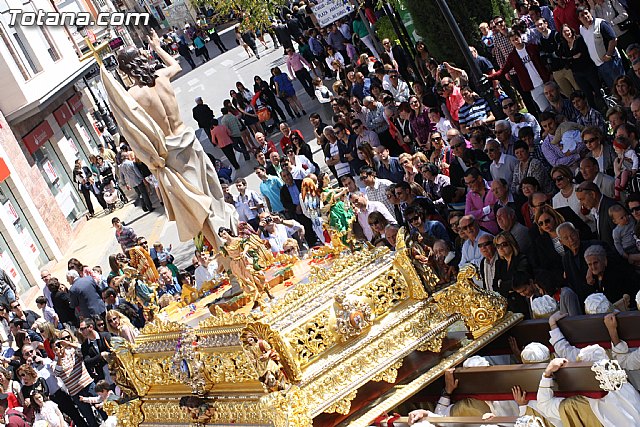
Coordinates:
229	367
390	374
273	362
128	414
312	338
352	316
342	406
311	351
125	369
480	309
186	364
403	264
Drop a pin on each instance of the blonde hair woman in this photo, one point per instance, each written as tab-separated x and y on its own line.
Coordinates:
120	325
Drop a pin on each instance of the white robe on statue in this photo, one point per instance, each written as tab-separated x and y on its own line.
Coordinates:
189	185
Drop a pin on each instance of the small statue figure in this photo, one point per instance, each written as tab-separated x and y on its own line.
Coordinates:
197	409
421	258
251	281
267	361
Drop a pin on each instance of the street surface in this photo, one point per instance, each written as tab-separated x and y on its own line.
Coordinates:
95	239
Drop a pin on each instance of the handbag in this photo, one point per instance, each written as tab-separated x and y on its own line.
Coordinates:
264	114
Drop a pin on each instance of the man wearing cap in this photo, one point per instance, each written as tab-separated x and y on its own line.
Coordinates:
203	115
592	199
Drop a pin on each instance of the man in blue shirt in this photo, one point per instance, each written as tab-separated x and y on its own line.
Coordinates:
390	167
168	283
270	189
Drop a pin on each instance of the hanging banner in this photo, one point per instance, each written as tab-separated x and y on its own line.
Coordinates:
75	103
329	11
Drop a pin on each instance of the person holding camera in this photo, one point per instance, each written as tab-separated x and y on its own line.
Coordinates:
277	230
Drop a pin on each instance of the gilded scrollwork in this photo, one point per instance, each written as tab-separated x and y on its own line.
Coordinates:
390	374
158	326
342	406
154	370
480	309
385	292
125	369
228	367
312	338
128	414
286	408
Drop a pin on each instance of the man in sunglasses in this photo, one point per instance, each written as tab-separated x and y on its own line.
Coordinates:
519	120
95	350
470	249
489	258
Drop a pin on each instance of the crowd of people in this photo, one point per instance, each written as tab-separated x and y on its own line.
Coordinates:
541	194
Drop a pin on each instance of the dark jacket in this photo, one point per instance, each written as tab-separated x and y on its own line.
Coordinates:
605	224
62	306
203	115
575	267
543	254
287	201
503	282
93	359
85	297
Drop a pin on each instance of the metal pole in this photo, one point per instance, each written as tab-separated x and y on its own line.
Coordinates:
485	87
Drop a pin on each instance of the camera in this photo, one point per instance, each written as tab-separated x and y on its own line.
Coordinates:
268	220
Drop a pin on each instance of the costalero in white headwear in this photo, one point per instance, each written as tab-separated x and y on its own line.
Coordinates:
638	300
597	304
592	353
535	352
475	362
543	307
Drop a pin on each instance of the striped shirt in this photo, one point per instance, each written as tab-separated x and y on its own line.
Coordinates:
73	372
468	114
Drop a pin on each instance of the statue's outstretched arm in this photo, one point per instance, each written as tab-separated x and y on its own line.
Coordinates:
173	68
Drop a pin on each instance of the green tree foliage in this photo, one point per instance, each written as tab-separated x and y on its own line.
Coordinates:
432	27
256	14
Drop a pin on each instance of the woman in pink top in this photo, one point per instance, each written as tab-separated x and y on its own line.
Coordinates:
221	138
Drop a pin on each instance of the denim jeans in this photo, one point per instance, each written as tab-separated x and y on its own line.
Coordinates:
611	70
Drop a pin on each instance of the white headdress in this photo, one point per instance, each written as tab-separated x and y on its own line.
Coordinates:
597	304
475	362
535	353
543	307
610	375
592	353
638	300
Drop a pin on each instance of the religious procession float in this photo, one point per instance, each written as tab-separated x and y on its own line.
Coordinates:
342	336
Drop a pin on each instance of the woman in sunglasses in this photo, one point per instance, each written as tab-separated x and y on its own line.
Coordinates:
563	178
546	249
511	263
118	324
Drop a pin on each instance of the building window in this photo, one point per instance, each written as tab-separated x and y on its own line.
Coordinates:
53	51
14	53
25	49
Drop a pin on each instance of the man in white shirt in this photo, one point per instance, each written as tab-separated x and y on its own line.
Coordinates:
206	269
277	230
364	207
248	203
489	258
300	166
502	165
470	251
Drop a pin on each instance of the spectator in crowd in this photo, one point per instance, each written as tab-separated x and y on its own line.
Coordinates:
480	200
592	199
470	250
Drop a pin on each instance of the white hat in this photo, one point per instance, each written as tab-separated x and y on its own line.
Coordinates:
475	362
597	304
543	306
535	352
638	300
592	353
